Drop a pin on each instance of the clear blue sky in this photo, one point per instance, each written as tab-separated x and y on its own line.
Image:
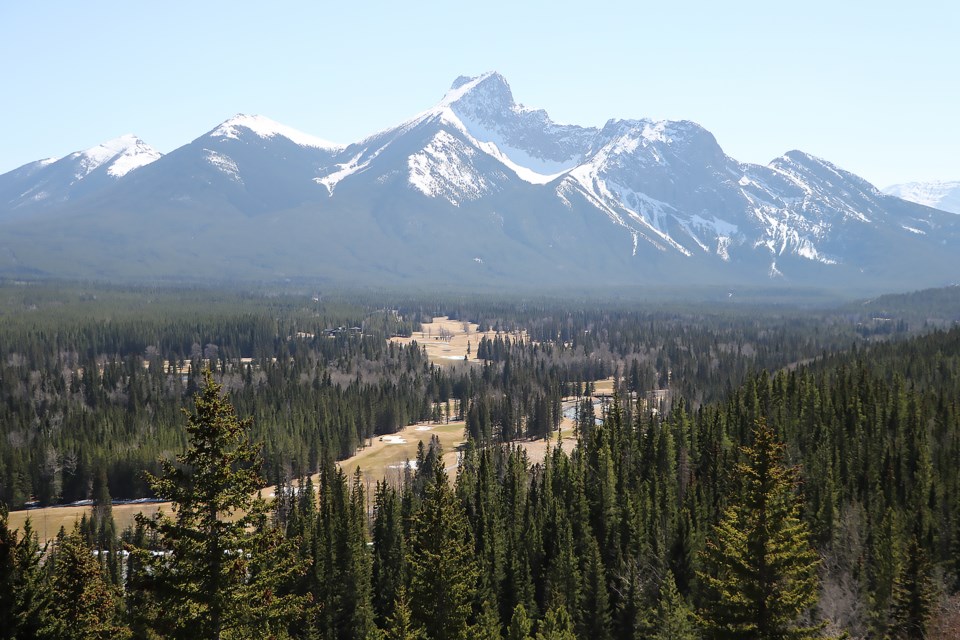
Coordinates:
871	86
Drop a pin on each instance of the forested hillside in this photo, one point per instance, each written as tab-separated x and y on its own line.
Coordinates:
802	481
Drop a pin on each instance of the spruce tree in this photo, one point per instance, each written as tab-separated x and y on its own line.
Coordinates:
443	572
556	625
24	596
520	625
223	569
389	570
595	619
84	604
674	618
487	624
400	624
914	595
761	572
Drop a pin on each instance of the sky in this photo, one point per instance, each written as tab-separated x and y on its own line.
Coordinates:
874	87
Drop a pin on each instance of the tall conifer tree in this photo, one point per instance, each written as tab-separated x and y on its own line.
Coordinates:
442	566
223	569
761	572
24	597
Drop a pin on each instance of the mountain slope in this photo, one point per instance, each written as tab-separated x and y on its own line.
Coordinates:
52	182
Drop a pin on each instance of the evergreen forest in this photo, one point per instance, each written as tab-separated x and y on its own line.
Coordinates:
753	472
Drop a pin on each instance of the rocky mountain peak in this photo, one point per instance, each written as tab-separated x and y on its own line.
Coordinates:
486	98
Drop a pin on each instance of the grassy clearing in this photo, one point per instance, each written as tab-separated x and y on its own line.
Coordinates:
447	341
47	522
386	456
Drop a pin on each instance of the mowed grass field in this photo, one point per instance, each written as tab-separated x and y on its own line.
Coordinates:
386	457
47	522
447	341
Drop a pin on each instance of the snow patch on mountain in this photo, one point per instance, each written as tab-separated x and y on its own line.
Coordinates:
642	215
723	247
359	162
224	164
780	237
715	233
444	169
266	128
528	168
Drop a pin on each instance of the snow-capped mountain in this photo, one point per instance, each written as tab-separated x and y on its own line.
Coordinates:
57	180
250	163
479	188
939	194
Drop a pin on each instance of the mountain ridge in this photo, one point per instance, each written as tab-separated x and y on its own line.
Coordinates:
527	198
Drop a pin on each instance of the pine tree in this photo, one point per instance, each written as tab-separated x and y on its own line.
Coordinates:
761	572
223	570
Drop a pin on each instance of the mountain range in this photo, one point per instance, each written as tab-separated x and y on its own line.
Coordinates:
478	190
939	194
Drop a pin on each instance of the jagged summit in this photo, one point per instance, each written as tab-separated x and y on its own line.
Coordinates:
122	155
489	91
491	77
